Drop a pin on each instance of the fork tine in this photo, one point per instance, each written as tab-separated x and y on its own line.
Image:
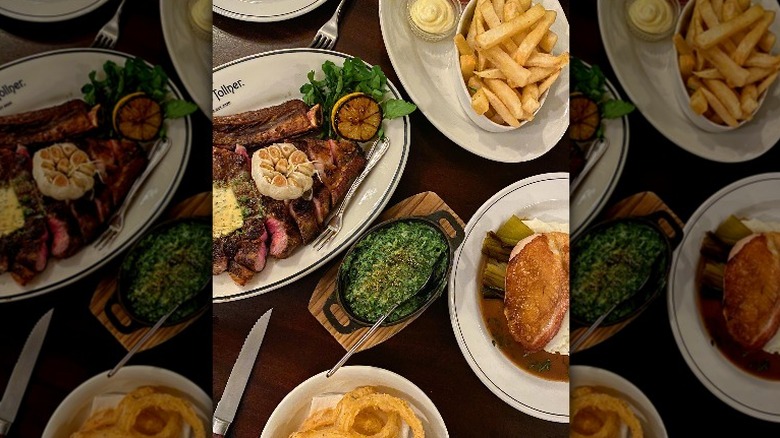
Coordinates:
321	237
105	239
331	235
315	41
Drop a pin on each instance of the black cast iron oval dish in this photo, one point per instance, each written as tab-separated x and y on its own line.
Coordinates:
659	269
445	265
195	306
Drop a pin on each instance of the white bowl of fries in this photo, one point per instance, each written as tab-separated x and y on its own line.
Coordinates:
504	50
725	62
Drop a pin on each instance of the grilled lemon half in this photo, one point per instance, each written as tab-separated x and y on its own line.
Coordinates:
356	116
585	118
137	117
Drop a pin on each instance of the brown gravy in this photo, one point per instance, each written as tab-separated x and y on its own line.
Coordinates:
541	363
758	363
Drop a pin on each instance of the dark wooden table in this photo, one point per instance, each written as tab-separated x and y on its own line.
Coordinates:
296	346
77	347
645	352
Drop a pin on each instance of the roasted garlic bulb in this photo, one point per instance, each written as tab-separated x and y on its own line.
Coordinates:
63	171
282	171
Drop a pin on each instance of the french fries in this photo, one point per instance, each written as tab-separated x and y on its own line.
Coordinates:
506	58
725	59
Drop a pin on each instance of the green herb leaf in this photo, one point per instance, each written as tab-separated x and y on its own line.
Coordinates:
135	75
393	108
353	76
613	109
177	108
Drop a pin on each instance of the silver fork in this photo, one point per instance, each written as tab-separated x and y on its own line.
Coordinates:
117	221
109	33
329	32
378	149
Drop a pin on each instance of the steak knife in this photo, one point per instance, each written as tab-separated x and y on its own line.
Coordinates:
17	384
239	375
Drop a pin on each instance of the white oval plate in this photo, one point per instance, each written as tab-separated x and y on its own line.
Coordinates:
647	73
47	11
191	55
594	191
294	407
72	68
422	68
264	11
274	77
755	197
544	196
75	408
652	424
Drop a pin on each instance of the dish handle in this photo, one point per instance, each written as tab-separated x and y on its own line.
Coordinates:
114	319
345	329
661	217
459	233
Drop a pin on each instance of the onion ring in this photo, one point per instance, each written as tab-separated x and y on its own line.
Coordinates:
145	412
605	407
362	413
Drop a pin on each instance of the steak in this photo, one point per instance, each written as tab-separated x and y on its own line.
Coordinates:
751	290
75	223
537	289
288	224
48	125
23	252
241	252
253	129
338	163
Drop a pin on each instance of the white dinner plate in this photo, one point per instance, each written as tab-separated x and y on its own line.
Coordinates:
264	11
38	90
294	407
272	78
424	70
48	10
594	191
191	54
76	407
756	197
647	73
652	424
546	197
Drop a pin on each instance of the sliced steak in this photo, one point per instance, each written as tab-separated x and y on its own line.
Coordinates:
285	237
24	251
75	223
267	125
243	252
304	214
338	163
48	125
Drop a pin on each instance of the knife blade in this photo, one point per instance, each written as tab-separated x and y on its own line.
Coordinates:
239	375
21	373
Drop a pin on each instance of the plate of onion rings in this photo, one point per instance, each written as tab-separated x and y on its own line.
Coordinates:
356	401
135	397
606	404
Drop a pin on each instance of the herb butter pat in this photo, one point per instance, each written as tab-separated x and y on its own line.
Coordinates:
227	213
11	213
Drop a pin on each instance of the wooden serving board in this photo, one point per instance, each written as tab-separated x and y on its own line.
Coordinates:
130	333
421	204
640	204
